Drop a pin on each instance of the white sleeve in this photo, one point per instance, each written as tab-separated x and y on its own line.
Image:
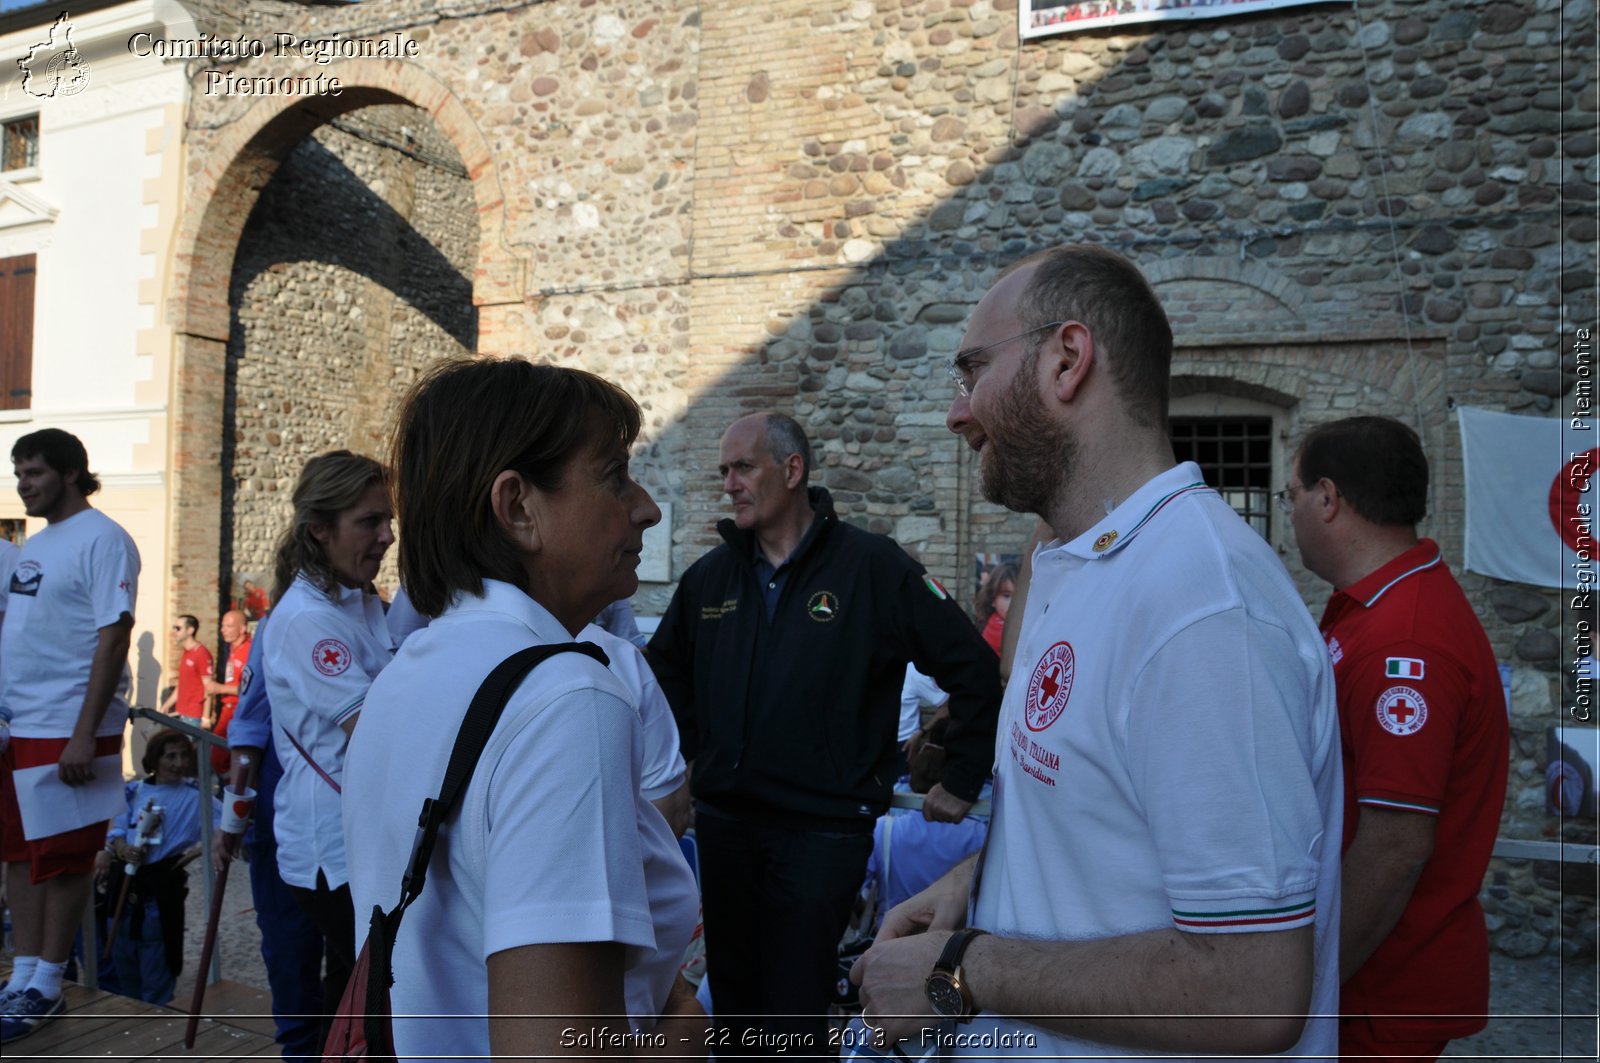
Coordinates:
564	858
321	667
8	565
1219	753
113	576
662	770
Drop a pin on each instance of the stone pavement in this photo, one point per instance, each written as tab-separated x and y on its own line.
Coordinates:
1544	1007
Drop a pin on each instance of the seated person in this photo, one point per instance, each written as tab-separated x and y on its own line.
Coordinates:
148	954
910	853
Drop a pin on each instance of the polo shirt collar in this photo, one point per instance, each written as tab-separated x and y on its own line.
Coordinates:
350	599
1119	527
1366	591
505	600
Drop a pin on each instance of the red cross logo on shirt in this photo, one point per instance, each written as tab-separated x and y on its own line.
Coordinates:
1049	686
1402	711
330	657
1051	683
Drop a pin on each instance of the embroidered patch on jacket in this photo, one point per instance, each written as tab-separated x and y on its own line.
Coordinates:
1403	668
330	657
936	587
717	612
1335	651
1402	711
823	606
1050	686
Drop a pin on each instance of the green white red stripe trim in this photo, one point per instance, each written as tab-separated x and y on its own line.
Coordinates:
1162	504
1291	915
1404	806
1370	602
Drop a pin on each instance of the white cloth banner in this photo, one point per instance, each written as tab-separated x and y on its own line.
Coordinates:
1530	509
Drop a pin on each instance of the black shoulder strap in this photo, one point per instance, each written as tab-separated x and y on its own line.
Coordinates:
476	727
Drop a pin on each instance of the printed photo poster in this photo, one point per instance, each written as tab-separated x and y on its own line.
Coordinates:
1042	18
1572	771
250	595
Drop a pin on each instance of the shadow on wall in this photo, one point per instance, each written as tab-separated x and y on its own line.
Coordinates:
146	672
1237	162
352	274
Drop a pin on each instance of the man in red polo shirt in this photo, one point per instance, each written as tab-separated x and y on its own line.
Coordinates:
237	636
1422	717
187	697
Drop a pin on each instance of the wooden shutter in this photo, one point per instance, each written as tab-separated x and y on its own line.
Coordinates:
16	332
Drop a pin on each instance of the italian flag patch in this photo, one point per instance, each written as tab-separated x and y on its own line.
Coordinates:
1402	668
933	585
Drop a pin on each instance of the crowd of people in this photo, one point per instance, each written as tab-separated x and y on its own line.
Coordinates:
1213	828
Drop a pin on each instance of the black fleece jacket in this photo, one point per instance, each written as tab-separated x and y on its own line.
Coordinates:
794	719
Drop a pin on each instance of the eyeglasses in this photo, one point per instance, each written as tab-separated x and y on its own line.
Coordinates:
1285	498
962	369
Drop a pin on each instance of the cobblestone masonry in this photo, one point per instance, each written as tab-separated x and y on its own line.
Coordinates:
794	205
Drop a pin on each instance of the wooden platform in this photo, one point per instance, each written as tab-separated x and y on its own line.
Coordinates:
100	1025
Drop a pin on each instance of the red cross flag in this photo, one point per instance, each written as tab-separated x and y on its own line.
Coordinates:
1530	509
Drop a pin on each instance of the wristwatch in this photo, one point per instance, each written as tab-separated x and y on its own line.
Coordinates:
948	994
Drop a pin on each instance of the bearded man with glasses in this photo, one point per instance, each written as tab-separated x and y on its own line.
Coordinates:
1162	869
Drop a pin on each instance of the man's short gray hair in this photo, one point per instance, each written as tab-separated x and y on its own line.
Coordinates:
785	437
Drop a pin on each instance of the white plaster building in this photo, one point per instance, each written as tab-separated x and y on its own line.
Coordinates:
90	197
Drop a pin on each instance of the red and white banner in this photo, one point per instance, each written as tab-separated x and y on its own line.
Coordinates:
1530	509
1040	18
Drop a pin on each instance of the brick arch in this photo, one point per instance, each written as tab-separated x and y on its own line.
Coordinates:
229	167
1223	270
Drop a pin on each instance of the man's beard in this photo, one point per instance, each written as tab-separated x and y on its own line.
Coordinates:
1027	456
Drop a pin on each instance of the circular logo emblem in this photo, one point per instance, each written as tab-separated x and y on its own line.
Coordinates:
1402	711
1049	686
331	657
1104	542
823	606
67	74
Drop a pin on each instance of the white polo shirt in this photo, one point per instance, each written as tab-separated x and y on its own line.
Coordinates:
917	692
72	578
1168	748
661	769
552	842
319	655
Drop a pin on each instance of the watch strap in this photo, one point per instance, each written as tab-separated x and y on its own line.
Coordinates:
955	948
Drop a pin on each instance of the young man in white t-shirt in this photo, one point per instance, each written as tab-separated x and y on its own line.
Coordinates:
63	674
1162	866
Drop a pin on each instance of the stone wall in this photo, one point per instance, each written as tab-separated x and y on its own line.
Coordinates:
353	273
794	205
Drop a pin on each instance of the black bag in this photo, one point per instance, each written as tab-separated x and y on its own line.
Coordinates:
362	1027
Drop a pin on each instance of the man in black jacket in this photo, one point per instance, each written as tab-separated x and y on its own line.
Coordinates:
783	654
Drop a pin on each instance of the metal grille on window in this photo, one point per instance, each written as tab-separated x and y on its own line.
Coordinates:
1235	455
19	144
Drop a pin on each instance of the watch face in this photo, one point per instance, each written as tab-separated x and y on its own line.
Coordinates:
945	996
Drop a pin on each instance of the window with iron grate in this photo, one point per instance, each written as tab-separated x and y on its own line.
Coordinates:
19	143
1235	454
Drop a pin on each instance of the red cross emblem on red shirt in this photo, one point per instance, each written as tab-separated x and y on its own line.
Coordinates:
1402	710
